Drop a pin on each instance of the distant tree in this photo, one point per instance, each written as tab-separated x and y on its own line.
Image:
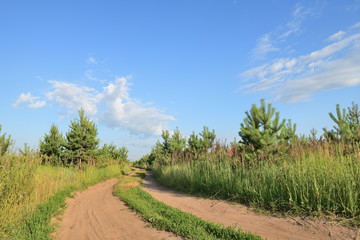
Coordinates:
113	153
82	140
5	143
27	151
177	143
194	142
52	147
207	138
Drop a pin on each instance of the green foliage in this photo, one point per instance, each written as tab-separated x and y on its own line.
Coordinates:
262	130
164	217
17	182
315	178
108	153
27	150
5	143
82	140
52	147
194	142
37	224
175	145
144	162
347	124
207	138
172	145
203	143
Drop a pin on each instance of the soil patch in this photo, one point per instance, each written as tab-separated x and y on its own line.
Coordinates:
97	214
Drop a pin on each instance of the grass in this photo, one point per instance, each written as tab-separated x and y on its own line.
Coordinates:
164	217
32	193
320	180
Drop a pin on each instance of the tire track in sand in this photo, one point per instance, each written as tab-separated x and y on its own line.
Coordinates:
96	213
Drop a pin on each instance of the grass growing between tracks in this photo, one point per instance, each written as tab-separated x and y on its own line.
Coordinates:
164	217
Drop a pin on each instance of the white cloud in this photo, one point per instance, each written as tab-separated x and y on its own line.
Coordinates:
356	25
121	111
333	66
28	98
74	97
37	104
124	113
91	60
270	42
89	74
264	45
336	36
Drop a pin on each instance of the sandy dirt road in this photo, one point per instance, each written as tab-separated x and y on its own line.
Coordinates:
96	213
231	214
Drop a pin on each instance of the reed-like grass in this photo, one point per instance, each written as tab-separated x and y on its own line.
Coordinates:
25	184
314	178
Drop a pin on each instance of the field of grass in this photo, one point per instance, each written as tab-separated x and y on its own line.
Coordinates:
318	179
164	217
32	193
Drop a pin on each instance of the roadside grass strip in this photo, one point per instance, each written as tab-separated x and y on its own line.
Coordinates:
164	217
38	224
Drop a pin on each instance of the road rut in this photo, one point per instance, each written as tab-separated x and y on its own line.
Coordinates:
96	213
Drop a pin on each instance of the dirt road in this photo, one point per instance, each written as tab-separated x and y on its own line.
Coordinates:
97	214
231	214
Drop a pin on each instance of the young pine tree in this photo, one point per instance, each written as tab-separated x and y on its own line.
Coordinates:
347	124
52	147
82	140
5	143
262	128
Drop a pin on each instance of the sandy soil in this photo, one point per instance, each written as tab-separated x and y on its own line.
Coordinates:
239	215
97	214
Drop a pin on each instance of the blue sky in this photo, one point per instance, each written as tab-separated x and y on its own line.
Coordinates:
138	67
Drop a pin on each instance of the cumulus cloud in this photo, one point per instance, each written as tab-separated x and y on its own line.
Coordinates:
37	104
333	66
123	112
73	97
28	98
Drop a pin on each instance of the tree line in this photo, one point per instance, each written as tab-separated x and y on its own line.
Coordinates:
263	135
79	146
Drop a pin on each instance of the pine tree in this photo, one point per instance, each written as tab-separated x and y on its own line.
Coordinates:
262	127
194	142
82	140
177	143
53	145
5	143
208	138
348	123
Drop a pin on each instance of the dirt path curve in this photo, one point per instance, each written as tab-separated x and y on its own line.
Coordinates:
231	214
97	214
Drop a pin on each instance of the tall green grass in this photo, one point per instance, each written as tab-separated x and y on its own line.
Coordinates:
315	178
26	186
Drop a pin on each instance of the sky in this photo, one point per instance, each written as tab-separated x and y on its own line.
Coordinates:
138	67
